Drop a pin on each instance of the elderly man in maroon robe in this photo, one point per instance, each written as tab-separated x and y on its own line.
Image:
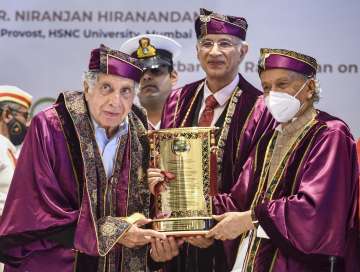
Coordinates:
223	99
78	195
294	206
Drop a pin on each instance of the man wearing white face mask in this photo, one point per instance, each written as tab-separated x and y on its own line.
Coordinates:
284	106
294	205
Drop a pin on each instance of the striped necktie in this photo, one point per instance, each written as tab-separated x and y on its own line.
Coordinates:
208	114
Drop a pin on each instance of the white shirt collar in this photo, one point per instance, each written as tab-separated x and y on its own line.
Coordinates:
123	128
103	140
156	127
223	95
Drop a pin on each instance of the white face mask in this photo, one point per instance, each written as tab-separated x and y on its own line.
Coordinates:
283	106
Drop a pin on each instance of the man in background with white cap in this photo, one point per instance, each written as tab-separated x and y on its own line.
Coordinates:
156	54
14	111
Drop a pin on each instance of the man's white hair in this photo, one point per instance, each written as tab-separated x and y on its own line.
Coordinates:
91	77
240	41
316	97
317	94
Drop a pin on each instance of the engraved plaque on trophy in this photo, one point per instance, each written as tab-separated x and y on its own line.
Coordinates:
187	157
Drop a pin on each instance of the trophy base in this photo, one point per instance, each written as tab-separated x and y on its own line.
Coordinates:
186	233
183	226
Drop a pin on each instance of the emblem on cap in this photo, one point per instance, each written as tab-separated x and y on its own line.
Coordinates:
145	49
205	18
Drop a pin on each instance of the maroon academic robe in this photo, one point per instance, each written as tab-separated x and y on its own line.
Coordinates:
62	213
309	210
241	125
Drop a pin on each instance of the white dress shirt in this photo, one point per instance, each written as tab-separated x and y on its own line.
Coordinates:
221	96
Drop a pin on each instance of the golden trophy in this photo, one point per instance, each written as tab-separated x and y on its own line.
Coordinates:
187	158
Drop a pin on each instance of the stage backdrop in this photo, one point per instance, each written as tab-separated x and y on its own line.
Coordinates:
45	45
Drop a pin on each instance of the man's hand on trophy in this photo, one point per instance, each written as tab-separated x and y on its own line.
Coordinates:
199	241
165	250
158	180
230	225
137	236
155	177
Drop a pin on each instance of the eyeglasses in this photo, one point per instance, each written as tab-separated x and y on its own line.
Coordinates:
221	44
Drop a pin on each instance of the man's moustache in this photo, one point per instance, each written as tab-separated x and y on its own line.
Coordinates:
148	86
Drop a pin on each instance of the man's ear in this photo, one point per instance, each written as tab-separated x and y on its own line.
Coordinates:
244	49
311	89
86	89
174	77
6	114
197	51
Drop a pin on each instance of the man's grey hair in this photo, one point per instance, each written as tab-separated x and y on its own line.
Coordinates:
317	93
91	77
316	96
240	41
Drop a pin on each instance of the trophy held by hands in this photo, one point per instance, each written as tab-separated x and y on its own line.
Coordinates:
187	158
